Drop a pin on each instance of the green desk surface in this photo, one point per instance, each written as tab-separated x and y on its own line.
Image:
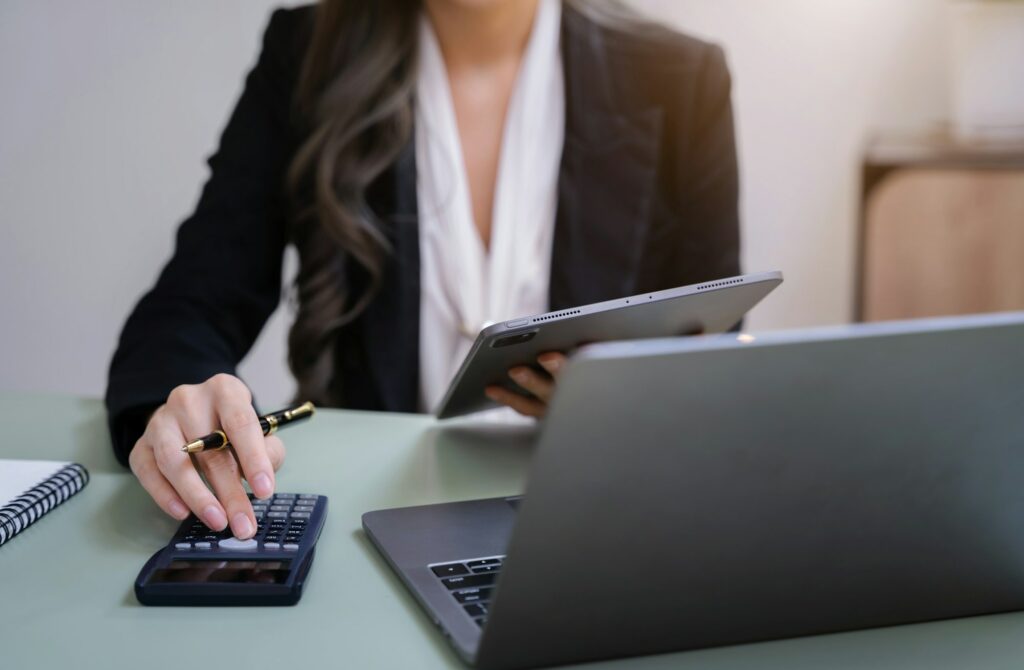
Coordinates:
66	583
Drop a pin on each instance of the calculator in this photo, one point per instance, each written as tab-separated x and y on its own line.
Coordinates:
204	567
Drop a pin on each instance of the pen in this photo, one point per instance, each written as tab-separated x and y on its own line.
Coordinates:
268	422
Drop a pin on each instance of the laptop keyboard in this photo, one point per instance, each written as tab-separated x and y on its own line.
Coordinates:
471	583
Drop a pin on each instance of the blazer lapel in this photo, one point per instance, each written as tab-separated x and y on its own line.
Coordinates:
391	323
606	182
605	189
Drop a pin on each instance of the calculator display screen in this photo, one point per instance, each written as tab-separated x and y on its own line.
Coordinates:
222	572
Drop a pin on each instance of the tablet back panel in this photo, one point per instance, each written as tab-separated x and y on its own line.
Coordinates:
704	492
713	307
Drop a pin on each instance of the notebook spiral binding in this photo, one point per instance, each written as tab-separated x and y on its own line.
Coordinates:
27	508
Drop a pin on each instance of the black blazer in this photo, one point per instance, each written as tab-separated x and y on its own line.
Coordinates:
648	195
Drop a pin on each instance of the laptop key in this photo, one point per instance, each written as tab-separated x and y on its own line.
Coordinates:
483	561
473	595
468	581
449	570
486	568
474	610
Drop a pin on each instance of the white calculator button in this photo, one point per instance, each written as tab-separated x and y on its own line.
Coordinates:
300	515
271	545
291	547
183	545
203	545
236	544
308	496
277	515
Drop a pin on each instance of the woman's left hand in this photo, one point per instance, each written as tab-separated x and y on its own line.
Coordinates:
540	386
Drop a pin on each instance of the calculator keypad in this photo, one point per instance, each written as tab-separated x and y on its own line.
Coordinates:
281	526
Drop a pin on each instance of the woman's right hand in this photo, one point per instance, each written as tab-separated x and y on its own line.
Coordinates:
172	477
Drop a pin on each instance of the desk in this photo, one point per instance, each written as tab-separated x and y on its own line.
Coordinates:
66	592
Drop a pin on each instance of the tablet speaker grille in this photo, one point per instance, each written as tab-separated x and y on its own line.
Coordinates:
719	284
556	315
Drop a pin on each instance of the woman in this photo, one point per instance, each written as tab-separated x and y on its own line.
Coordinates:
437	164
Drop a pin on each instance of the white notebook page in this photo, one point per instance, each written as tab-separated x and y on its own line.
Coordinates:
16	477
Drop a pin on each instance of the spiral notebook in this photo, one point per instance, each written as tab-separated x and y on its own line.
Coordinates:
30	489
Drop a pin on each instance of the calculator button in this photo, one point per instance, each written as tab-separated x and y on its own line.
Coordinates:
280	508
271	545
291	547
183	545
234	543
277	515
308	496
284	496
203	545
300	515
303	508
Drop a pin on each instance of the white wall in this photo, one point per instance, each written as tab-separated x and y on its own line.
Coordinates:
109	107
813	78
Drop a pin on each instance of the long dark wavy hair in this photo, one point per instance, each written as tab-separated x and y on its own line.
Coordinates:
354	97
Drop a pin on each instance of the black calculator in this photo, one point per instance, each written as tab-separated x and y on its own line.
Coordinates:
203	567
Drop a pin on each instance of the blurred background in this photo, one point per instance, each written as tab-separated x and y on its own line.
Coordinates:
110	107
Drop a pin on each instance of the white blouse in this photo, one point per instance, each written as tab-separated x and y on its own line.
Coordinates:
463	287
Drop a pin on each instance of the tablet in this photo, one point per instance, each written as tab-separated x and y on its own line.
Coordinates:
712	307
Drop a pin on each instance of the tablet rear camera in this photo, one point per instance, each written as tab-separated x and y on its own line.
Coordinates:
512	340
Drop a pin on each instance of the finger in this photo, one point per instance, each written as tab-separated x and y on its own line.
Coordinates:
535	383
233	404
223	473
143	465
552	362
176	466
275	451
524	406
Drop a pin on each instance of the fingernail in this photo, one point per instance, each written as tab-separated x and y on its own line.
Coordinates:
214	518
555	363
178	511
241	526
261	485
518	375
491	393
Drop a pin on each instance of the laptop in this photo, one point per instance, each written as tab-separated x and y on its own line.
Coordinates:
726	489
